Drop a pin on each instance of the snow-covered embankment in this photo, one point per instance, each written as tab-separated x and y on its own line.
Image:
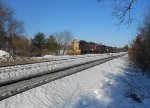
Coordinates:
102	86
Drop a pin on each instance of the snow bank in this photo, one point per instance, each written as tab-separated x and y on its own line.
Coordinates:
47	56
4	53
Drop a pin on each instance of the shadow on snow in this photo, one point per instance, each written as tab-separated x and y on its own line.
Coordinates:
114	92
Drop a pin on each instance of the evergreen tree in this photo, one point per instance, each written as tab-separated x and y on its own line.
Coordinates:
39	40
52	44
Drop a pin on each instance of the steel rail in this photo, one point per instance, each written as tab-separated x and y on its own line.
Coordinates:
24	70
22	85
7	64
10	80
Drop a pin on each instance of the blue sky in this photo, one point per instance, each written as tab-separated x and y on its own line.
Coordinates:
86	19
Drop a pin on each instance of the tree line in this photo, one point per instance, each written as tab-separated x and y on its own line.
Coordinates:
12	37
139	52
57	43
11	29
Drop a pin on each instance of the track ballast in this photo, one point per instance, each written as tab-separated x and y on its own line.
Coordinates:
12	88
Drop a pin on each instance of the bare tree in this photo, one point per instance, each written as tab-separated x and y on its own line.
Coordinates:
64	40
5	14
59	39
14	29
140	47
122	10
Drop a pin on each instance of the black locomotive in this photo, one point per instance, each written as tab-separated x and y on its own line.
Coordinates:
94	48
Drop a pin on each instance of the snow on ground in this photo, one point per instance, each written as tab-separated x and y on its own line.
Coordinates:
103	86
4	53
47	56
70	56
19	71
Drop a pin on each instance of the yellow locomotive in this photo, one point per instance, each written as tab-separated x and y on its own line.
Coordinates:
74	48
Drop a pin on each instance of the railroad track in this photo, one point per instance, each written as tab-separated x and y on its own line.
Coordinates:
15	67
15	73
18	86
7	64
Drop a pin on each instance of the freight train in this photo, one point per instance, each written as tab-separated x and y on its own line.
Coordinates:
83	47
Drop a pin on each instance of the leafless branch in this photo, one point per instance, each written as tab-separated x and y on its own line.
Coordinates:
122	10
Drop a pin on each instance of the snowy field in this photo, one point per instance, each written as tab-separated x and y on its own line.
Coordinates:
104	86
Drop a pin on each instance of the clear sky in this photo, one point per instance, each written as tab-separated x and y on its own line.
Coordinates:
86	19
